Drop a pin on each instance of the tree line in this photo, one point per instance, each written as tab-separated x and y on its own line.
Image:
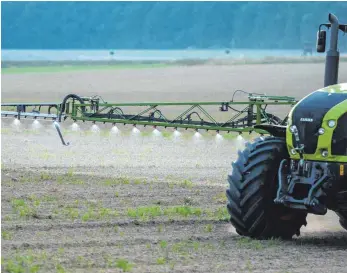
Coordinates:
164	25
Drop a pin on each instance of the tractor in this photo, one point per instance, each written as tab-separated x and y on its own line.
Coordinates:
301	167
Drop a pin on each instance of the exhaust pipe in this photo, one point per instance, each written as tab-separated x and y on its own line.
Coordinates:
333	55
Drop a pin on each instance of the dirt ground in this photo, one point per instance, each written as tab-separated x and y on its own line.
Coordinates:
185	83
143	204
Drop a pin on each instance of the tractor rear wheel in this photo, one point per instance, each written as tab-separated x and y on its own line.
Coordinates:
252	189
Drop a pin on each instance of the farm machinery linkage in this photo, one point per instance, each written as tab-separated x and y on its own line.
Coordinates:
195	115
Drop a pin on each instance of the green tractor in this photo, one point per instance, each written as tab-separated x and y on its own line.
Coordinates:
302	167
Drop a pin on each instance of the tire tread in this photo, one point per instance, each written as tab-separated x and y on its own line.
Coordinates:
251	211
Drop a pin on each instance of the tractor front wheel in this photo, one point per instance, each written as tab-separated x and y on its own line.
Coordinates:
343	222
252	189
343	219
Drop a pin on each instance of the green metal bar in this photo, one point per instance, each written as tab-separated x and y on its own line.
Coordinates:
258	114
74	109
207	114
275	98
173	125
260	100
184	113
144	111
192	103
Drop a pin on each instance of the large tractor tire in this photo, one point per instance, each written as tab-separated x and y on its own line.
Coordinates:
343	222
253	184
343	219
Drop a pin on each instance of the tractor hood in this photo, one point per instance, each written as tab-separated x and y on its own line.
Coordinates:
313	113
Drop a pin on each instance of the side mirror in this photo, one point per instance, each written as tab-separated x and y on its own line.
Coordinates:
321	41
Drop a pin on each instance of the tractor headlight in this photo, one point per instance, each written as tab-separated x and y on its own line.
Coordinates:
292	129
325	153
331	123
321	131
293	151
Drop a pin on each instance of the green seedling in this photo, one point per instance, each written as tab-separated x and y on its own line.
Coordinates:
124	265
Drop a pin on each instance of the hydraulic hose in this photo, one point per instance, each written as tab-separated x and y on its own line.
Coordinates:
63	105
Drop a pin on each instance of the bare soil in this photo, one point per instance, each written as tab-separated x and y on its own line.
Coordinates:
117	203
178	83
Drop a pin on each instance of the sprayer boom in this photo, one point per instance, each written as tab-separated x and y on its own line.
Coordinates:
235	116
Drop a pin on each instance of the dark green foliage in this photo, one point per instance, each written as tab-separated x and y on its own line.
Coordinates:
164	25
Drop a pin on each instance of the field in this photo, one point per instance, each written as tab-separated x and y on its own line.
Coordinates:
141	204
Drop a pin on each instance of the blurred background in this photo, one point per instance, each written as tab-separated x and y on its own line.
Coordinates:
162	30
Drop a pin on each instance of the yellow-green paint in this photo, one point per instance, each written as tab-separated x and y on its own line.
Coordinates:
325	140
336	88
289	137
